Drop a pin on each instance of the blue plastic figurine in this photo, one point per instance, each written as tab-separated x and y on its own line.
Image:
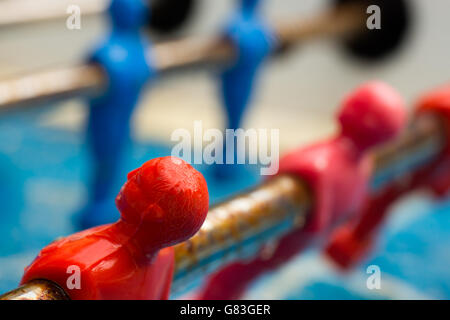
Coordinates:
254	42
124	59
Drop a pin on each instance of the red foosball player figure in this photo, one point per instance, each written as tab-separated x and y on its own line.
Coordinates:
352	242
164	202
337	172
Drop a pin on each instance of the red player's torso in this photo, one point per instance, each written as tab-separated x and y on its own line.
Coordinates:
108	267
345	161
334	168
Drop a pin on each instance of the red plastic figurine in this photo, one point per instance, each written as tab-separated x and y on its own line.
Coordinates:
337	171
351	242
163	203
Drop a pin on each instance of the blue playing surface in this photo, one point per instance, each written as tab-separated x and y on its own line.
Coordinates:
44	174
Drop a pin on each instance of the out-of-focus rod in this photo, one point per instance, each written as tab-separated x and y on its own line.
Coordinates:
86	80
20	12
47	86
240	227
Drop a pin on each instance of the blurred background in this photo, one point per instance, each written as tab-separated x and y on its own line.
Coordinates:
298	94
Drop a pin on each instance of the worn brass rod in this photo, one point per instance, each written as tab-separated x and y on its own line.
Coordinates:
240	227
36	290
90	80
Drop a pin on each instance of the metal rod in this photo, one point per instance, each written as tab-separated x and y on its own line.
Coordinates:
90	80
37	290
50	86
423	141
238	228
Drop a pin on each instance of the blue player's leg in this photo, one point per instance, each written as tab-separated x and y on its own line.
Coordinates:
236	99
109	137
254	42
123	56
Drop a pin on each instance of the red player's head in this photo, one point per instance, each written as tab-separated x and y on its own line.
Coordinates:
167	197
372	114
437	100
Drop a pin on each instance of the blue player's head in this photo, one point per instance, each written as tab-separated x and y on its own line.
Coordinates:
250	5
129	14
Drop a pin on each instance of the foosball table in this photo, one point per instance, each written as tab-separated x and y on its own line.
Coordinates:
100	202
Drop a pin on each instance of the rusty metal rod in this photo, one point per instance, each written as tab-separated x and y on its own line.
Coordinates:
237	229
240	227
37	290
90	80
